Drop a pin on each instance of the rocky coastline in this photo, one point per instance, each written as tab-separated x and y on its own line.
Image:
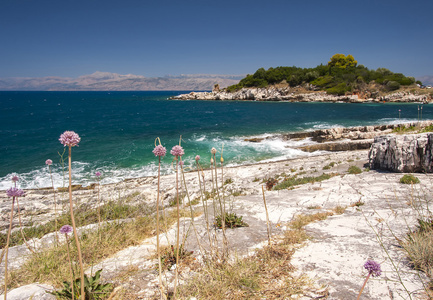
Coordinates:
290	95
338	247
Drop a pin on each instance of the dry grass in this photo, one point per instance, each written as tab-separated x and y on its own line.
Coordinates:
268	274
419	248
301	220
51	265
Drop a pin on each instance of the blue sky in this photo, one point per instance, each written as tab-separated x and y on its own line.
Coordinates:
70	38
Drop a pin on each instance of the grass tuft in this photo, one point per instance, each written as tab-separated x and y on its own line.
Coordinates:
289	182
354	170
409	179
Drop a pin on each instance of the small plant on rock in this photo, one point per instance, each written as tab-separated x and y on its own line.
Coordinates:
231	221
409	179
354	170
270	183
92	288
228	181
168	256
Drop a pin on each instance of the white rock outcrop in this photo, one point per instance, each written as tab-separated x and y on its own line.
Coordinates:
405	153
289	94
31	291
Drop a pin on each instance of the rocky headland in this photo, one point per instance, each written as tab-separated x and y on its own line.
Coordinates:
376	214
292	95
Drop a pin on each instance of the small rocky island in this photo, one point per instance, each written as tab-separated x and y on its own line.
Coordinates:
291	95
341	80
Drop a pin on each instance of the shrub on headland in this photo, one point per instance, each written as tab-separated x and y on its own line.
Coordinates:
341	75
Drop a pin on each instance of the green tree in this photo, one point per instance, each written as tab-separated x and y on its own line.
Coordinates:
342	62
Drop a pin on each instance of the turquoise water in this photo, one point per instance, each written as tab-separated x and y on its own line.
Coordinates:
118	131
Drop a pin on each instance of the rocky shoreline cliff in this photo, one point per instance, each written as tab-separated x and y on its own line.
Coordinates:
289	94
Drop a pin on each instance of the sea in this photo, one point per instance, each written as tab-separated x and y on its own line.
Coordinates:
119	130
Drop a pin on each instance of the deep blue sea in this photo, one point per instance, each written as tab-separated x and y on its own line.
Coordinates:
118	131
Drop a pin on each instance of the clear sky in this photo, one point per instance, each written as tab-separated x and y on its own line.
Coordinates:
70	38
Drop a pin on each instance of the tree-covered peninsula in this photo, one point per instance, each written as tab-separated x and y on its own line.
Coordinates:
340	76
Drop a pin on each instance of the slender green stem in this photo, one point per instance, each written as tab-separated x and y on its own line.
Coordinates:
7	248
178	228
55	205
80	259
223	215
267	217
70	266
205	208
363	286
157	232
99	210
21	228
192	212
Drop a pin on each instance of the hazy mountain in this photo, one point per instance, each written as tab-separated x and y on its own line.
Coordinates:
426	80
105	81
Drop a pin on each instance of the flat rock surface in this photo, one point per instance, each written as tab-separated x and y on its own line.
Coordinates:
333	256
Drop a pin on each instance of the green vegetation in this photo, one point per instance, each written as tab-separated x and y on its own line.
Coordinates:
231	221
354	170
328	166
92	288
341	75
289	182
409	179
403	129
427	129
84	215
419	247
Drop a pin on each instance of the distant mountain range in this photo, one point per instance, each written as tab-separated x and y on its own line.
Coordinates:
426	80
105	81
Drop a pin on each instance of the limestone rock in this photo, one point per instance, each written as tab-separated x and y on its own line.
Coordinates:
288	94
31	291
338	146
406	153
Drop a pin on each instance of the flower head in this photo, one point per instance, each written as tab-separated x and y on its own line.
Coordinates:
197	158
97	174
66	229
15	192
159	151
15	178
177	151
373	268
213	151
69	138
48	162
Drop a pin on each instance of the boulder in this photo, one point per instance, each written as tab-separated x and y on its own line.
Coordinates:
402	153
31	291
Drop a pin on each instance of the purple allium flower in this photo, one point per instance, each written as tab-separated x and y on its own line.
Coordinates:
159	151
15	192
48	162
177	151
69	138
97	174
66	229
373	268
197	158
213	151
15	178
